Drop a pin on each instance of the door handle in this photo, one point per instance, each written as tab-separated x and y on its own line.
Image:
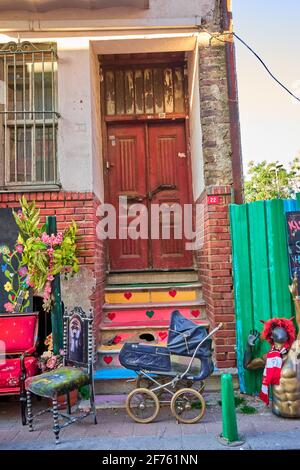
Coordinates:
161	187
135	197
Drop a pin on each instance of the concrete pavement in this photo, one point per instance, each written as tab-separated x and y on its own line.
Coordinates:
116	431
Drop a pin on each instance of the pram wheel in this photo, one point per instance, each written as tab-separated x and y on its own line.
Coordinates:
188	405
142	405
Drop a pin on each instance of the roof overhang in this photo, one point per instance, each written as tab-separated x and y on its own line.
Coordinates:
42	6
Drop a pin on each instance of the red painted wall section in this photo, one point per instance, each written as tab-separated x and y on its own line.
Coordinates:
215	271
81	207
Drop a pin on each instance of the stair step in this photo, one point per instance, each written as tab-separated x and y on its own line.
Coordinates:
111	383
145	287
152	277
157	332
151	296
151	313
145	305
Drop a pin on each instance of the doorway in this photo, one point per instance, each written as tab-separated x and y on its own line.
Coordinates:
148	163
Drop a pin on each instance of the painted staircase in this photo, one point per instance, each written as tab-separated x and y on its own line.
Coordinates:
137	308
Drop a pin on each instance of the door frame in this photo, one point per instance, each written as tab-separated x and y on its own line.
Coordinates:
106	120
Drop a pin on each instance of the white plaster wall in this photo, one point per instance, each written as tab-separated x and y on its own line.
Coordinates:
157	9
97	146
195	124
74	145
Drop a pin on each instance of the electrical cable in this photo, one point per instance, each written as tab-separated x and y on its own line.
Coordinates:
257	56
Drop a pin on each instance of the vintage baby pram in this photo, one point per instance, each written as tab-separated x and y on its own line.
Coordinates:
173	370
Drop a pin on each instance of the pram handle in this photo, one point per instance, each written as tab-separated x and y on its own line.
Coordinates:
217	328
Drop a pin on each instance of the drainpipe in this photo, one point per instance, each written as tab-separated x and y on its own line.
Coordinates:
235	134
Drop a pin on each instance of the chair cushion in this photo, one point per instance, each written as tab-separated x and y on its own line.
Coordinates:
10	373
57	382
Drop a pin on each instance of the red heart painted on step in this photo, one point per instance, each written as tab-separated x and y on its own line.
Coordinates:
128	295
162	335
172	293
195	313
111	315
117	339
107	359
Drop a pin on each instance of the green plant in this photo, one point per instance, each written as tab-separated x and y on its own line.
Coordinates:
272	180
248	409
44	255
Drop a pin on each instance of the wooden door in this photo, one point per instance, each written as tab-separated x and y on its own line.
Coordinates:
148	163
169	184
127	177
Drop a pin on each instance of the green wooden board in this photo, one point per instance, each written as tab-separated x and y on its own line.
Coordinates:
242	289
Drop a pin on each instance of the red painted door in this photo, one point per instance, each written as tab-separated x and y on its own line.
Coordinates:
148	163
127	177
169	184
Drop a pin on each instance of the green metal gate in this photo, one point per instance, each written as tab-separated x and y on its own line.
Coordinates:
260	274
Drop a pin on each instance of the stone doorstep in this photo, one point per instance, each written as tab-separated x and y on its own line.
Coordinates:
113	399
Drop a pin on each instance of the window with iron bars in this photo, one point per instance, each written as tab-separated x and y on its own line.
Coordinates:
28	116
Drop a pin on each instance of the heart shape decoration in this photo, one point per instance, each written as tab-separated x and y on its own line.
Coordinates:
172	293
162	335
117	339
128	295
111	315
149	313
195	313
107	359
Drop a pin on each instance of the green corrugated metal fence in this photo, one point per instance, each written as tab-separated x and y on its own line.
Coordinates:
260	274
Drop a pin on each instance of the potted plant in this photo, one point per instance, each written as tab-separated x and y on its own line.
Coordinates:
44	256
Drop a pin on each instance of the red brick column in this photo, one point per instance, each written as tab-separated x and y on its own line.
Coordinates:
215	271
80	207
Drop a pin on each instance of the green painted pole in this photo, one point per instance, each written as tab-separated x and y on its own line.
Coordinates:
229	434
298	200
56	307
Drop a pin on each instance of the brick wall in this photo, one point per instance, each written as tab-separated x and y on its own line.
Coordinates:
81	207
214	264
215	118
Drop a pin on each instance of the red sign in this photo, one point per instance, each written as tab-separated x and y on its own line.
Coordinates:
213	199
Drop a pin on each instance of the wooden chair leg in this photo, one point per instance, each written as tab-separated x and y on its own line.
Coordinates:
92	403
69	408
29	411
23	410
55	420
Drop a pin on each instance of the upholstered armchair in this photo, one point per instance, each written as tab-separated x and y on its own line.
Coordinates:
18	340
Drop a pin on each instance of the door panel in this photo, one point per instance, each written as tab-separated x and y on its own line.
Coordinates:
148	164
169	183
127	177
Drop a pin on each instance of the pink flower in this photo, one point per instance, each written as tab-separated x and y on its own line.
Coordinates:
20	214
19	248
9	307
51	363
50	277
23	271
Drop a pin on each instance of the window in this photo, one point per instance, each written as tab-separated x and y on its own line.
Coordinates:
153	86
28	117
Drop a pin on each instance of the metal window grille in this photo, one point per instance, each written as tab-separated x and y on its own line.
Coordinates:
28	116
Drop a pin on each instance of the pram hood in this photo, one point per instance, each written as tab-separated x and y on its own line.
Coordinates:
184	336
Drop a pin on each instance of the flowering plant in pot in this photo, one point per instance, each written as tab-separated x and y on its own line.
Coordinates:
44	256
49	361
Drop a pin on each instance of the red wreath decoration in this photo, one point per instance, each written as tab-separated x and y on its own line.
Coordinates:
288	325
